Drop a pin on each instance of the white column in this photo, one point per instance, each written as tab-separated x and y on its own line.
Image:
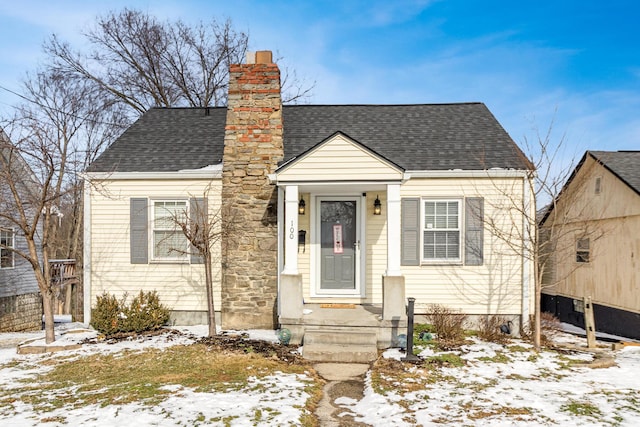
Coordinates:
291	230
393	230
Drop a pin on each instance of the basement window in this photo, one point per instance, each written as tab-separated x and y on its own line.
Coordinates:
583	251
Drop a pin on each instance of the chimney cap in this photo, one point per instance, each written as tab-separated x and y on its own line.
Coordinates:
260	57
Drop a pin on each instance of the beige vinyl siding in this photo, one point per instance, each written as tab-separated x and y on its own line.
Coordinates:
494	287
180	285
376	247
611	222
304	258
339	159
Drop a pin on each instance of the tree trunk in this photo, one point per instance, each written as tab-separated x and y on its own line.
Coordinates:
47	305
537	333
210	303
537	280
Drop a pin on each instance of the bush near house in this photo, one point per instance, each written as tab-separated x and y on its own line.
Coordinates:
145	313
448	325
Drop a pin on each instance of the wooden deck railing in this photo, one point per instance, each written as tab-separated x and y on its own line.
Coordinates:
64	280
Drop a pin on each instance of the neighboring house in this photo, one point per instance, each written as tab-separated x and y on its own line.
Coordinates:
20	300
323	206
596	224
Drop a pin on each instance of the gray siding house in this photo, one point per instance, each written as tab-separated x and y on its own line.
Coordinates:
20	301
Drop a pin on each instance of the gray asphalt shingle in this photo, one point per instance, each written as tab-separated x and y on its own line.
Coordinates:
167	140
624	164
415	137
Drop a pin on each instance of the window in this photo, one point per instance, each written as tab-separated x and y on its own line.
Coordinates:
169	242
441	230
6	244
582	250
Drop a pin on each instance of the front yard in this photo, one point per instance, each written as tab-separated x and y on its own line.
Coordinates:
177	378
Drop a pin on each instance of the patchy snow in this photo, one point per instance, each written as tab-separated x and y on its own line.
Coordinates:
527	389
538	389
279	398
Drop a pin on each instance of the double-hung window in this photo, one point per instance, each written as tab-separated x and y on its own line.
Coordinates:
441	230
583	250
7	241
169	242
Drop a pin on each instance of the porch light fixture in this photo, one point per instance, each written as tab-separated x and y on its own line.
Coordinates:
377	206
301	206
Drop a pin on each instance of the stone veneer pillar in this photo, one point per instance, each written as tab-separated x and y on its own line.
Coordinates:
252	149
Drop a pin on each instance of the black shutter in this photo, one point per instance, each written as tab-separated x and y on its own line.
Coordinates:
198	209
139	231
474	231
410	217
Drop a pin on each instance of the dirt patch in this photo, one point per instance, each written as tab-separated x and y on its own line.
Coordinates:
223	342
241	343
351	389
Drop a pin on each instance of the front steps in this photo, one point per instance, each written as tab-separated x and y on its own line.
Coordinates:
340	344
348	333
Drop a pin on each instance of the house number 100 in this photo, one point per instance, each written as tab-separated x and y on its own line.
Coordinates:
291	230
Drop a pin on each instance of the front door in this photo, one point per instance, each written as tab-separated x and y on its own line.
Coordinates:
339	245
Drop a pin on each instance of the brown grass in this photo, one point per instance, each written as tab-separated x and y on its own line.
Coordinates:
141	376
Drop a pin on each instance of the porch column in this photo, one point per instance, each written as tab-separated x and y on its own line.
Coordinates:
290	299
291	230
393	230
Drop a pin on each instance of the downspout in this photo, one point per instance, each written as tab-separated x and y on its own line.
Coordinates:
86	252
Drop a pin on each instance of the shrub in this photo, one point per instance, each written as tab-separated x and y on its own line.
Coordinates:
549	326
448	325
145	313
105	316
489	329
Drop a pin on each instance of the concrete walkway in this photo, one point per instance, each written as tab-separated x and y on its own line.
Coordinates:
343	380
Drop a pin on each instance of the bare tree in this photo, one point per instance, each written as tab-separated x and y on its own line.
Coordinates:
204	231
52	138
144	63
516	207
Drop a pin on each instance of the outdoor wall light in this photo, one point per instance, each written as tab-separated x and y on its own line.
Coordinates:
377	206
302	206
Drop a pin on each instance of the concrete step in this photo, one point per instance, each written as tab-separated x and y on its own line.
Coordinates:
347	345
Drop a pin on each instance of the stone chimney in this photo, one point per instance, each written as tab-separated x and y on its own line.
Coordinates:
252	149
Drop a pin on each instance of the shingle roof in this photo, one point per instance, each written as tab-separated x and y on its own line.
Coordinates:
415	137
624	164
167	140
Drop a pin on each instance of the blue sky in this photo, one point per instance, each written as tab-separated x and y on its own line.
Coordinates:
529	62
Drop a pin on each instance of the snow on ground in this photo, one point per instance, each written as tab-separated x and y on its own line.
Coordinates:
524	389
279	397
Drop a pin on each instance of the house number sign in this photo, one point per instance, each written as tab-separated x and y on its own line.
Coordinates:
337	239
292	231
